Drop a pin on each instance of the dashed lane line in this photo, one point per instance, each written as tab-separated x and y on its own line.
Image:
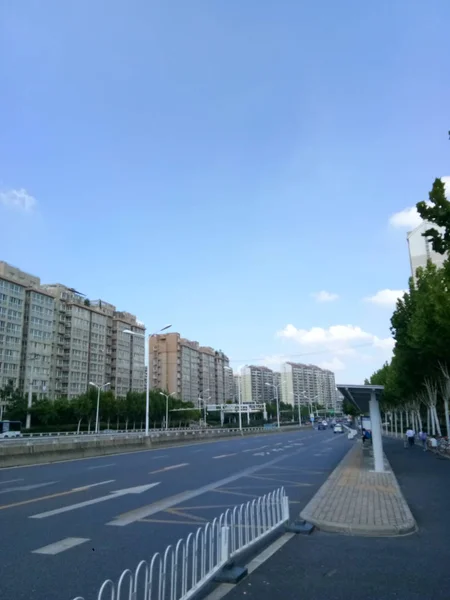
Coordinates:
225	455
170	468
61	546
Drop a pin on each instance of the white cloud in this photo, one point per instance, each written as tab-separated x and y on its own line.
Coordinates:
333	365
19	200
324	296
337	339
386	297
408	218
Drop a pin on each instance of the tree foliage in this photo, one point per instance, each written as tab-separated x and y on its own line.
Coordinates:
437	212
420	324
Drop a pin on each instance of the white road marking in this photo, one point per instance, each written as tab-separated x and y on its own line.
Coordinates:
259	454
86	487
10	481
61	546
134	490
26	488
101	466
169	468
160	456
225	455
253	449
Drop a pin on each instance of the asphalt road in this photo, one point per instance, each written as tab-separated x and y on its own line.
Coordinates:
329	566
66	527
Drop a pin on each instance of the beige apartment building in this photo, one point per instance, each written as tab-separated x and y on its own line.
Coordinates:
310	383
55	339
191	372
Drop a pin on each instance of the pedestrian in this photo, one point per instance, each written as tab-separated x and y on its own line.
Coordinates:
410	435
363	435
423	438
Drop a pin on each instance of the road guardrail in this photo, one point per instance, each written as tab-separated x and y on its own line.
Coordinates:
184	569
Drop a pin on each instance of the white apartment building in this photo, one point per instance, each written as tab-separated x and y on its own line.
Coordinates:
257	384
308	383
420	249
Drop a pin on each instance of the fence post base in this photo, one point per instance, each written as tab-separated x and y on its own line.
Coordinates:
231	574
300	527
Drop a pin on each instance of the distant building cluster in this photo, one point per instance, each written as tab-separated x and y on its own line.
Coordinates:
296	382
57	341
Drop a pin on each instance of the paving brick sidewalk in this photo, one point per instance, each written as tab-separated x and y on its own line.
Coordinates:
356	500
327	566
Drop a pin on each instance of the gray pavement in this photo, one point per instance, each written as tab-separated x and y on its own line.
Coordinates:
330	566
359	501
68	526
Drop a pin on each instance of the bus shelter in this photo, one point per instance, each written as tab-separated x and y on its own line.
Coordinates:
366	399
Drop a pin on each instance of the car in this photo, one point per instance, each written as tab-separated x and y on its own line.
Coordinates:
321	426
338	429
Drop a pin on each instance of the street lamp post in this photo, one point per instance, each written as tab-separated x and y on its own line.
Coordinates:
100	388
275	387
200	399
297	396
147	386
167	396
30	392
310	401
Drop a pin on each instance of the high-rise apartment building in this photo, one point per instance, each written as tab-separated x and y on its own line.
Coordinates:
257	384
229	385
308	383
57	341
192	372
420	249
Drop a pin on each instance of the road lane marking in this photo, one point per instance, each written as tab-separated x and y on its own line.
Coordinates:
225	455
101	466
169	468
51	496
26	488
160	456
151	509
284	481
11	481
134	490
91	485
167	522
179	513
61	546
233	493
254	449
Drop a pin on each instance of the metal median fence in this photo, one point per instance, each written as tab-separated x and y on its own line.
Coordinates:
183	569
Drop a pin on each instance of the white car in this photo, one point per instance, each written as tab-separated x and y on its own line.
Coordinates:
338	429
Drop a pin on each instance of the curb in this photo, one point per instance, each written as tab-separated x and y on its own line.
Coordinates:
407	527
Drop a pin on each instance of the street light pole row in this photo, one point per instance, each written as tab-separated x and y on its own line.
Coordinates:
147	387
100	388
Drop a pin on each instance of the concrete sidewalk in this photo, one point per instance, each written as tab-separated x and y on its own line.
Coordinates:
358	501
326	566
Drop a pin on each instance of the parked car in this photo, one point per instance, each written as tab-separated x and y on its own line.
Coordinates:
321	426
338	429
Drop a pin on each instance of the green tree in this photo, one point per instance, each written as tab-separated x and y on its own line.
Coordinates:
437	212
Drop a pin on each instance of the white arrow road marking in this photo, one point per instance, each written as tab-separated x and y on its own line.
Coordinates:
133	490
25	488
260	453
60	546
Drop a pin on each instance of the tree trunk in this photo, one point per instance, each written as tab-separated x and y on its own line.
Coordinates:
126	425
89	426
79	425
117	424
438	425
419	420
396	423
401	423
447	423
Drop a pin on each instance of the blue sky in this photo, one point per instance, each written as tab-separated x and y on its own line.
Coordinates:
214	164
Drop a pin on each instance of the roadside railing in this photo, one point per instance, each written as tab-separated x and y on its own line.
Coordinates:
185	568
157	434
